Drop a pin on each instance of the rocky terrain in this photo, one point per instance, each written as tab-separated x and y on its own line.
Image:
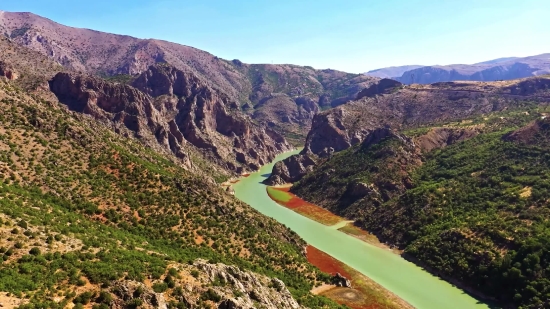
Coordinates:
176	110
411	106
492	70
262	90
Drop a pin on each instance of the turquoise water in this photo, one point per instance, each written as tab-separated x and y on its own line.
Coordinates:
405	279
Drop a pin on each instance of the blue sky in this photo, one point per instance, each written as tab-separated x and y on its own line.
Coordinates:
348	35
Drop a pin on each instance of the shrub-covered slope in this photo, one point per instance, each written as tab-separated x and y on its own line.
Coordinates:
87	215
474	210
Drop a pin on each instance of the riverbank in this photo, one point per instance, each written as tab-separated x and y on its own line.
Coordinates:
364	293
282	196
390	271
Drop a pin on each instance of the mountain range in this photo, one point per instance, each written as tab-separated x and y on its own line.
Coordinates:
284	97
492	70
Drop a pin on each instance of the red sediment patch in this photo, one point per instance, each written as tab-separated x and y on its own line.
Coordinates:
245	175
304	208
364	294
234	181
325	262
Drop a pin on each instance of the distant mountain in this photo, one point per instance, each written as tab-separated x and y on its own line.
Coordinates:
497	69
392	72
498	60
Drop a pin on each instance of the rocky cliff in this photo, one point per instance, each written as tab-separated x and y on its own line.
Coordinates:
290	169
176	110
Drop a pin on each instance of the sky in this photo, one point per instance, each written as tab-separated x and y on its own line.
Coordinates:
348	35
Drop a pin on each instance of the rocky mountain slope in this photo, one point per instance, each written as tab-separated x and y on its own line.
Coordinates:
492	70
253	87
168	109
410	106
175	110
88	216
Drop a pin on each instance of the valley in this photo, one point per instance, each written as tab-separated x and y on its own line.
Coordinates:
140	173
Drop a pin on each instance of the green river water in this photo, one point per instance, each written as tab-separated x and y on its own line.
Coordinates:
405	279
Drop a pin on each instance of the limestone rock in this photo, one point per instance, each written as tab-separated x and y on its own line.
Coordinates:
340	280
269	293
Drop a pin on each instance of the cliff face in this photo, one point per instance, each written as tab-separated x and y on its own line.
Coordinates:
175	110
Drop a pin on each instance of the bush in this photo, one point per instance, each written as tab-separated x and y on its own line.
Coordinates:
160	287
211	295
35	251
22	224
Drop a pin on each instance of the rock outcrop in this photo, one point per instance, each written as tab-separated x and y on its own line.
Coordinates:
536	132
8	71
269	293
290	170
340	280
380	87
175	110
219	281
442	137
128	291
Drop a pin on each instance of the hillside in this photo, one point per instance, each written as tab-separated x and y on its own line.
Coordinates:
417	105
250	85
467	200
77	197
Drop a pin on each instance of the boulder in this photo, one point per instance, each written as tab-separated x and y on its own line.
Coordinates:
340	280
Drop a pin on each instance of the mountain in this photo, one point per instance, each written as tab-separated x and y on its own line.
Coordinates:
168	109
453	173
251	86
498	60
392	72
507	68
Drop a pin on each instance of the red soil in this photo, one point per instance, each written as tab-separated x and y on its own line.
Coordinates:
360	297
325	262
309	210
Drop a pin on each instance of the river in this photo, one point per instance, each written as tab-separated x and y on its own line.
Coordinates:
403	278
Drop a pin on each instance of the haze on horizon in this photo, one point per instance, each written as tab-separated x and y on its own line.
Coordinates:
354	36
